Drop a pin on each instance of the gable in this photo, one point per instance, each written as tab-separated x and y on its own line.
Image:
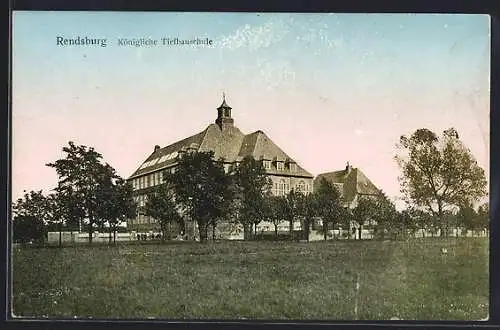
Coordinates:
353	182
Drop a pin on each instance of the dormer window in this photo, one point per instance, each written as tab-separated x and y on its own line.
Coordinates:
267	164
279	166
293	167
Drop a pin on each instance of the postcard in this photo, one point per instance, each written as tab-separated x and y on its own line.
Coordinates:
250	166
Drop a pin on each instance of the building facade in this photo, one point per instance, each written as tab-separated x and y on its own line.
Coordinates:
228	143
352	184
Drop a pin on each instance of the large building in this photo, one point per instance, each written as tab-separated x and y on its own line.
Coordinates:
230	144
351	182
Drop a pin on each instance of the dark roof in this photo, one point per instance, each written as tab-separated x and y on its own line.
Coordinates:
228	143
354	182
224	105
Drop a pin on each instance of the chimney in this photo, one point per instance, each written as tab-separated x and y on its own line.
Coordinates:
348	168
157	147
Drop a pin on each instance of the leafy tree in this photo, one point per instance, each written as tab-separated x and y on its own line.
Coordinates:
33	204
30	216
56	214
329	206
292	208
201	186
439	172
116	201
309	209
253	186
484	216
274	210
161	205
384	215
467	217
405	224
365	211
82	168
26	228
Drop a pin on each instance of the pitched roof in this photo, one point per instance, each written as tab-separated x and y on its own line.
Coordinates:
354	182
228	143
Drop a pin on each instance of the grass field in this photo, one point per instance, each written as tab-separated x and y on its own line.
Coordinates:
257	280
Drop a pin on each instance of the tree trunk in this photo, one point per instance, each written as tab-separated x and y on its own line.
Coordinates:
291	229
114	234
276	231
163	230
442	226
60	234
325	229
359	231
91	228
247	231
110	238
203	230
306	229
213	231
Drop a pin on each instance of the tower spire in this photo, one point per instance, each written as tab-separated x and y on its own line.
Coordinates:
224	114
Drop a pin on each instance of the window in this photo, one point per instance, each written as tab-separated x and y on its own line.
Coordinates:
293	167
281	188
267	164
279	166
301	186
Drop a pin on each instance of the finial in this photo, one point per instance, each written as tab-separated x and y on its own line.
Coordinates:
223	96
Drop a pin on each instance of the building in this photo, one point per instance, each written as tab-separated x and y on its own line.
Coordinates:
351	182
228	143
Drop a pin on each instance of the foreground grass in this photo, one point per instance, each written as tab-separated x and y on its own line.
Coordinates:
257	280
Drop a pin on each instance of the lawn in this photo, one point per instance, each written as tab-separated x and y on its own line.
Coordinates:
257	280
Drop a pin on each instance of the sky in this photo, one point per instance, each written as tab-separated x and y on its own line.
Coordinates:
327	88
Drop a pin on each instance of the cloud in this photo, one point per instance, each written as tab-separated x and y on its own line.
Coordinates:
255	37
309	32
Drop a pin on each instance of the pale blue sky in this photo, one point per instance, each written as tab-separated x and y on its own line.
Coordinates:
327	88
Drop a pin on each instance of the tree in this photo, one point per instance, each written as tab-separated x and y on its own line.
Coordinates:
439	172
274	210
30	216
161	205
292	208
484	216
116	201
329	205
384	216
309	209
253	186
82	168
56	213
26	228
364	212
201	186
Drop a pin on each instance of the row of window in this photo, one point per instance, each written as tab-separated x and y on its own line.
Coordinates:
159	160
282	188
140	200
280	166
149	180
142	219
